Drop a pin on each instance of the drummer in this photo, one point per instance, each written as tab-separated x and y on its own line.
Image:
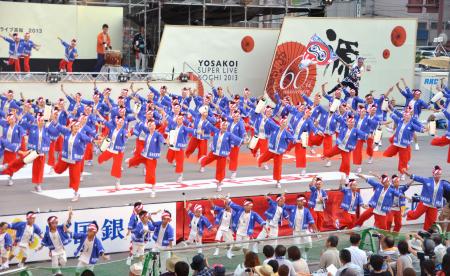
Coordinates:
103	44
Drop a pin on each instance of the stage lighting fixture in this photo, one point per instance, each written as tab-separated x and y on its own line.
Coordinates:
53	78
183	77
123	78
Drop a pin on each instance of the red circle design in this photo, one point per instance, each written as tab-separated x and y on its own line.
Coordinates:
386	53
247	44
398	36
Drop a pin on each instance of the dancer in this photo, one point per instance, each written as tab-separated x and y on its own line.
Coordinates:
15	50
367	124
260	124
25	232
55	238
353	77
279	140
445	139
142	234
222	143
237	128
431	197
28	45
197	225
380	203
274	217
132	222
90	249
317	201
351	202
5	245
12	133
222	218
164	234
202	126
395	215
70	54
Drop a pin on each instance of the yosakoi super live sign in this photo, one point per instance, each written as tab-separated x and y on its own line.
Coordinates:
312	51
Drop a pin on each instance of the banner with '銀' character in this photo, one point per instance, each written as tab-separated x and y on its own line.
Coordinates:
313	51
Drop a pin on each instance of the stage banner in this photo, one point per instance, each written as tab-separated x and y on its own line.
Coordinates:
112	222
388	46
237	58
45	22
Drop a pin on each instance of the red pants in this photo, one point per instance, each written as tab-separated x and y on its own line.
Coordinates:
357	153
116	169
395	217
26	63
74	172
89	153
14	165
59	144
139	146
23	145
65	65
430	215
403	156
347	220
221	163
317	140
9	157
277	163
300	156
345	162
38	170
318	218
380	221
178	156
248	128
441	142
195	143
234	157
150	167
15	62
262	146
51	154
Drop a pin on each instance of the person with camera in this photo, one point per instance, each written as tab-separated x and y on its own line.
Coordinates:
379	266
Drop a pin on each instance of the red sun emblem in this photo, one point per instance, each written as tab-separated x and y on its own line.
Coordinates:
386	53
286	77
247	44
398	36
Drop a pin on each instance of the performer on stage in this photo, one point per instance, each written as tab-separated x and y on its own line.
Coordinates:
57	140
118	136
149	154
274	217
261	123
28	45
367	124
222	143
351	202
90	249
15	50
12	133
7	98
431	197
395	215
25	231
164	234
317	201
5	245
279	140
380	203
132	222
237	128
353	77
243	223
202	126
444	140
222	219
55	238
70	54
142	235
197	225
103	43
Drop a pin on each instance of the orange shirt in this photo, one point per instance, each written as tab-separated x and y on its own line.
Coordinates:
100	47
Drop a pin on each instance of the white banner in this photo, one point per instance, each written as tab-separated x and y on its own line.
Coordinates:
237	58
387	44
45	22
112	222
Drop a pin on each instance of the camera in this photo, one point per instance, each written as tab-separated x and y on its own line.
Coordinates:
376	235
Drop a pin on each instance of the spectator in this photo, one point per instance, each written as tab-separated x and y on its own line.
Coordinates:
359	256
404	260
388	249
409	272
219	270
264	270
346	260
170	266
331	254
251	261
274	265
377	262
200	266
182	269
439	249
428	268
445	269
269	253
295	256
284	270
136	269
280	256
87	272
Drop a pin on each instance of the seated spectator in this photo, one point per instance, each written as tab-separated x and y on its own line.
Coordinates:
445	269
274	265
379	266
439	249
269	253
404	260
388	249
182	269
136	269
295	256
200	266
409	272
428	268
264	270
219	270
359	256
331	254
280	256
284	270
346	264
248	267
170	266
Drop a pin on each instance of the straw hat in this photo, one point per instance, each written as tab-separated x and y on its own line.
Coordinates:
264	270
170	263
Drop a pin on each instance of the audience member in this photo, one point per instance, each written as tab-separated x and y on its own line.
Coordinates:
264	270
182	269
136	269
404	260
274	265
200	266
284	270
346	264
428	268
331	254
439	249
280	256
170	266
295	256
269	253
359	256
219	270
379	266
250	262
445	269
388	248
409	272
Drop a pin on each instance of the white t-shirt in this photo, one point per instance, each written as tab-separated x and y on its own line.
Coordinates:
276	216
161	232
56	240
194	222
319	202
359	257
299	219
86	253
226	221
27	234
378	210
244	221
